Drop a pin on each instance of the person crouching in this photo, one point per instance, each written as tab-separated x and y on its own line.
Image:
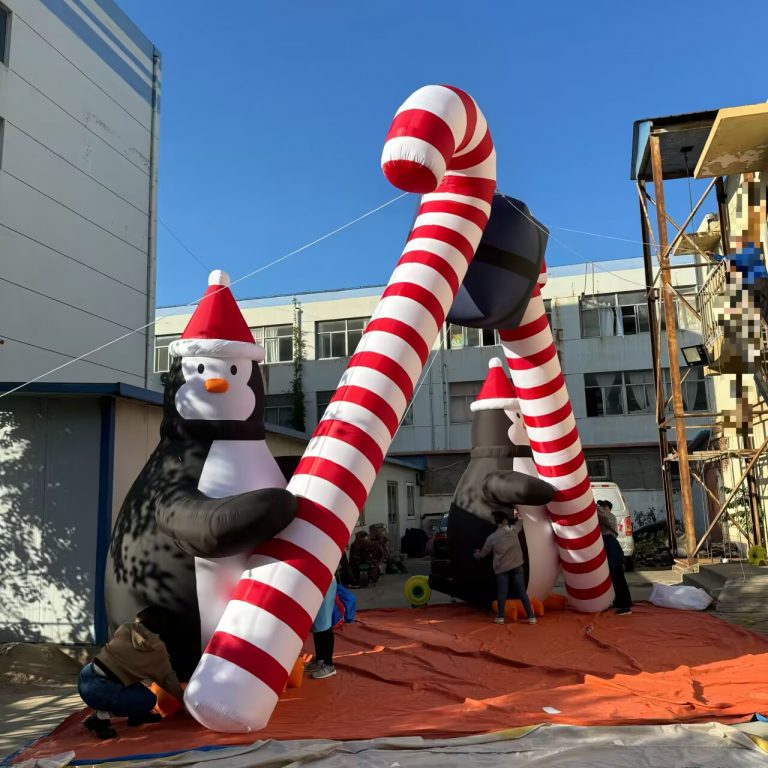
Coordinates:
112	683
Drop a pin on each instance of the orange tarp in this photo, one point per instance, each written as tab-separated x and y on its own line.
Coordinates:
447	671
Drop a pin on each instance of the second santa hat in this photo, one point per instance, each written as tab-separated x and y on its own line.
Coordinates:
497	392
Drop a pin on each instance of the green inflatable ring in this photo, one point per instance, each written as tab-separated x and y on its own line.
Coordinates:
417	591
756	555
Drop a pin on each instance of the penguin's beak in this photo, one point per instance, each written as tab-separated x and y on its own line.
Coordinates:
216	385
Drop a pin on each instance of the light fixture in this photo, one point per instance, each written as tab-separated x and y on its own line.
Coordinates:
696	356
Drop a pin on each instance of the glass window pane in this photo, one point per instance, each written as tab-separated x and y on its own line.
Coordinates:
323	346
614	401
354	340
456	337
3	31
594	398
356	325
629	321
472	336
489	337
631	298
590	323
285	349
338	346
642	318
327	326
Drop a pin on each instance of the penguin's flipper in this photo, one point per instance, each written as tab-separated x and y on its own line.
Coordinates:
206	527
509	488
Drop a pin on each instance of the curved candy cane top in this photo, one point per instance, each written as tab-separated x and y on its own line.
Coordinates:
438	137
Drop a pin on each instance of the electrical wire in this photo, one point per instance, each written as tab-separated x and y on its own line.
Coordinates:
191	303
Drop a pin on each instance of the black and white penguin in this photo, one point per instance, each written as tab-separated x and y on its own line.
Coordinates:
210	492
489	482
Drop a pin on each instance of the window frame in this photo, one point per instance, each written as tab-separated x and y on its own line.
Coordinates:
467	397
649	393
636	310
272	405
348	348
483	334
604	477
5	34
410	501
318	401
170	337
262	340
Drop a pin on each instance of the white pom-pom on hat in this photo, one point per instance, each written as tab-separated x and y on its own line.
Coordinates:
218	277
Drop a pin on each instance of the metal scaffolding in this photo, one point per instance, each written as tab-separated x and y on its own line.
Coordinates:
669	148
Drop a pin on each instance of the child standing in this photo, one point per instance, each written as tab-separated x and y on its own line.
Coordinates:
504	542
322	665
112	683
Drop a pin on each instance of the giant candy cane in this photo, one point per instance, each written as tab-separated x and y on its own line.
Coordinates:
551	426
438	136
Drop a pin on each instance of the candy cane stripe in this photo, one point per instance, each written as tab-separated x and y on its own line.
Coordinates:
249	657
557	454
275	602
235	684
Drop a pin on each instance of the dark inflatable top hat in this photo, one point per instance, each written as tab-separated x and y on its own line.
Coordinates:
503	273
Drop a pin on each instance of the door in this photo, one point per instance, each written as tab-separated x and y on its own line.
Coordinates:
393	515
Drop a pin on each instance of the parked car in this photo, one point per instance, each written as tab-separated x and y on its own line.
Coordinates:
611	492
440	539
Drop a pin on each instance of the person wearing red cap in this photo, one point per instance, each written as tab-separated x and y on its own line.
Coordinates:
210	493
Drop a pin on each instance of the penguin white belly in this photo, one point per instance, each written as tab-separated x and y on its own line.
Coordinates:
231	467
543	560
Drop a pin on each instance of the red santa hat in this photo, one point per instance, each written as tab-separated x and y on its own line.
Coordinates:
497	392
217	328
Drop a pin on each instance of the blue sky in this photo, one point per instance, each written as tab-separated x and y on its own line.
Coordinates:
274	116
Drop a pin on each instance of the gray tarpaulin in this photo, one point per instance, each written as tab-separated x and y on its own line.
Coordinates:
551	746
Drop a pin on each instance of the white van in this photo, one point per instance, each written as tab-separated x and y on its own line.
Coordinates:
611	492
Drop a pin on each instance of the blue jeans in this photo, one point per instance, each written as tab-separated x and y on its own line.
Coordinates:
514	580
101	693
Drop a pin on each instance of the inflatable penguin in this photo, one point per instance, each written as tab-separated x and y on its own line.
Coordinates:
542	558
490	482
210	492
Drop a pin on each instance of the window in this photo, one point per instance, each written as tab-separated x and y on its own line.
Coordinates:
460	337
393	511
598	468
278	409
410	499
548	310
618	394
694	389
323	398
407	420
162	361
338	338
685	320
361	518
614	314
4	30
277	341
462	393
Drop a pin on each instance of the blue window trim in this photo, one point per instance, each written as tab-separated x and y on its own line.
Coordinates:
104	518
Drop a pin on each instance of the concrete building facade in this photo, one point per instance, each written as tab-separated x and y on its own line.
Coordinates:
79	122
599	318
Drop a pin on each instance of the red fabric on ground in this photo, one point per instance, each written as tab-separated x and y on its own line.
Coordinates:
447	671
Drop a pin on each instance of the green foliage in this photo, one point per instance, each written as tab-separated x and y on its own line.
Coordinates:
299	413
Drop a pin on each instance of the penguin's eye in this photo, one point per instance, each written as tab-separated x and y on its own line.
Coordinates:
200	368
233	369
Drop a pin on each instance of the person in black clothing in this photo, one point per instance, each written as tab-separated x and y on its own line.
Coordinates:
623	601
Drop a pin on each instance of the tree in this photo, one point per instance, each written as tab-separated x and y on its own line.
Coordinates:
298	415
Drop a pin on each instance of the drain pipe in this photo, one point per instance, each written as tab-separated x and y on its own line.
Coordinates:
154	145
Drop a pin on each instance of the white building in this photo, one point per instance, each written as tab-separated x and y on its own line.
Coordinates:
79	105
599	318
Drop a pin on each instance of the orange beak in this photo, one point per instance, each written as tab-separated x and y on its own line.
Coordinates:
216	385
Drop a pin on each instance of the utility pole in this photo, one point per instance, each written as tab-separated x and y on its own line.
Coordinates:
674	366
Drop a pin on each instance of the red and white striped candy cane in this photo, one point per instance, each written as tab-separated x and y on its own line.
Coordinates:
438	136
551	426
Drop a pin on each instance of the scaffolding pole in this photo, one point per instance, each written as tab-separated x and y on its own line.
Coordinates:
667	294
